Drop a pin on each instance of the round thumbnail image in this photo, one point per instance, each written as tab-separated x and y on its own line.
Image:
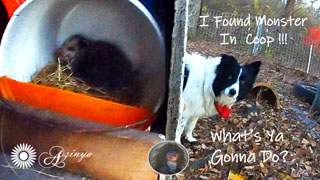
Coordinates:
168	157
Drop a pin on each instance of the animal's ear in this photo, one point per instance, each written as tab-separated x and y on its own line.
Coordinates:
83	43
254	67
224	56
229	60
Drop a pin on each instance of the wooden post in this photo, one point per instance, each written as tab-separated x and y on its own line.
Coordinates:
179	41
176	69
194	13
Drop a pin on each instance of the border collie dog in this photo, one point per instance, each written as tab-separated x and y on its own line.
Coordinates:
211	86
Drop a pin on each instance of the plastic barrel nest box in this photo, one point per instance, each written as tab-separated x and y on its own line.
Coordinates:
39	27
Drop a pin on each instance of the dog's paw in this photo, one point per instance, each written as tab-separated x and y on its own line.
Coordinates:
177	140
161	136
191	139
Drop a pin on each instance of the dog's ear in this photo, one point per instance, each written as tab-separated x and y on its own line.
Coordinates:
228	60
254	67
226	56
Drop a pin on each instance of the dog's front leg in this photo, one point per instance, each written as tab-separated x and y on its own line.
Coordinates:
189	129
180	127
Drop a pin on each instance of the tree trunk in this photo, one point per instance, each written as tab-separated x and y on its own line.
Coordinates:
289	9
194	13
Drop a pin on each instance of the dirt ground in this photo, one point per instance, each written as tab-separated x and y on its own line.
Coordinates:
295	139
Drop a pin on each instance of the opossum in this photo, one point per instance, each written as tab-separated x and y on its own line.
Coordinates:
100	64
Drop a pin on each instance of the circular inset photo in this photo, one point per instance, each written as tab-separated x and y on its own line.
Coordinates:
168	157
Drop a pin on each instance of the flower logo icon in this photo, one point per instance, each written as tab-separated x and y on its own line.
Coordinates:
23	156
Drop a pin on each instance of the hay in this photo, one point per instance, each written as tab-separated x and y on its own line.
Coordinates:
59	76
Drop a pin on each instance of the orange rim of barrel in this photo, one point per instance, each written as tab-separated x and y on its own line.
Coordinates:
74	104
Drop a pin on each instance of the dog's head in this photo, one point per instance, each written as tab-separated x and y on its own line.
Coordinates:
233	81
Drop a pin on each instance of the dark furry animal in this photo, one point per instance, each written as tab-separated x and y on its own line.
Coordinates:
102	65
97	63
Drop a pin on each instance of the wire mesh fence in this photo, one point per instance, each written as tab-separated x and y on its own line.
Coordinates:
286	49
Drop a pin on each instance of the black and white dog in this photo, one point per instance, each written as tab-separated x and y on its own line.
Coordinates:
211	86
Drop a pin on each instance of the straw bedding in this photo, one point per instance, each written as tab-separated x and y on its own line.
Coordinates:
59	75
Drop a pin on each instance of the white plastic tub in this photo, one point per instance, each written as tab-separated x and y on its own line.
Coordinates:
39	27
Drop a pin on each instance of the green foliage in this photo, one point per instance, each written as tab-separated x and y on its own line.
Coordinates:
204	10
256	5
316	56
244	44
268	53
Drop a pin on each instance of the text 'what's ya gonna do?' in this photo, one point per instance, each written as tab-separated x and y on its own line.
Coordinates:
250	157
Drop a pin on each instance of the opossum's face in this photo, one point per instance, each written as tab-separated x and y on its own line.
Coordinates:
71	47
